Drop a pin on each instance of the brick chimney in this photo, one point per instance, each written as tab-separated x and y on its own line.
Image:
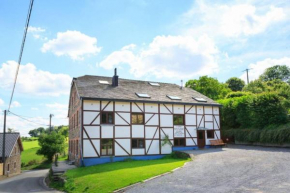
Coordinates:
115	79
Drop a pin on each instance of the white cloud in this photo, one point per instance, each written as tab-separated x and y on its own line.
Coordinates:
15	104
57	106
33	81
1	102
74	44
168	56
230	20
32	29
34	108
60	111
259	67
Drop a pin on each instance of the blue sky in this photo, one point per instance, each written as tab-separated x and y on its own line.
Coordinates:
161	40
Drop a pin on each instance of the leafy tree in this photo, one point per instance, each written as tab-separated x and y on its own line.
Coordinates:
11	130
50	144
237	94
256	86
33	133
276	72
209	86
235	84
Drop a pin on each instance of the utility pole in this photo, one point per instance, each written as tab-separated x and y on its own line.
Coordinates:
50	116
3	146
247	70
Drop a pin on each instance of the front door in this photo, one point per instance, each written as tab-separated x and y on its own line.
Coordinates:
201	138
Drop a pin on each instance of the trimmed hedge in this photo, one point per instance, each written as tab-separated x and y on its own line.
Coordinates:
253	111
275	135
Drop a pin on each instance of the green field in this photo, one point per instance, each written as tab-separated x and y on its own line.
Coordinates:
29	158
112	176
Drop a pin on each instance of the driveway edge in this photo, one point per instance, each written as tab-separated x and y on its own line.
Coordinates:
149	179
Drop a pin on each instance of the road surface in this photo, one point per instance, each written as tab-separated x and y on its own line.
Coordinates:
29	181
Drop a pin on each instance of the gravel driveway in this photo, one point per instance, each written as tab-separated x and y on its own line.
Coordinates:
233	169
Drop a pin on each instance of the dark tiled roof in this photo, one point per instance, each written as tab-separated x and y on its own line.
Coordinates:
89	87
10	141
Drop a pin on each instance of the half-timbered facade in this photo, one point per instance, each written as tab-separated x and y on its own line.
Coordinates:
111	119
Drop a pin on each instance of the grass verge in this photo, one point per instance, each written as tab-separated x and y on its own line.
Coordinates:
113	176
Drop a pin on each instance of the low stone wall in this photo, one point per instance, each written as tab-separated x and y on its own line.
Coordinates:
262	144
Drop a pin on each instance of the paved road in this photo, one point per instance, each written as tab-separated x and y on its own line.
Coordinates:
31	181
235	169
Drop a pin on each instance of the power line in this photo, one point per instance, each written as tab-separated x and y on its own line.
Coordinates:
247	70
27	119
21	50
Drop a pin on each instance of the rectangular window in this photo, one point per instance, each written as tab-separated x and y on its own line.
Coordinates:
178	119
137	118
107	147
179	141
14	165
107	118
210	134
8	167
138	143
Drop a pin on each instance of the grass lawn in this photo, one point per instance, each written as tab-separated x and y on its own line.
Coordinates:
34	161
112	176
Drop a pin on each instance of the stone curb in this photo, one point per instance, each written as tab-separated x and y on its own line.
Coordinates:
149	179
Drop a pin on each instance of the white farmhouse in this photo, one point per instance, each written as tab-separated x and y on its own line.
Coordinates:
111	119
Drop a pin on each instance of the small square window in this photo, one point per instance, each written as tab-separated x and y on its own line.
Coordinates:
178	119
103	82
107	118
137	118
200	99
179	141
154	84
138	143
210	134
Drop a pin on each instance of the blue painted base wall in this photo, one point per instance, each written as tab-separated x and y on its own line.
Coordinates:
103	160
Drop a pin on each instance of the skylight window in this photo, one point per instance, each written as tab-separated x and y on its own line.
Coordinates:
200	99
103	82
142	95
174	97
154	84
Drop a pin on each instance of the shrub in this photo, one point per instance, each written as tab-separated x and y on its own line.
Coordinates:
179	155
237	94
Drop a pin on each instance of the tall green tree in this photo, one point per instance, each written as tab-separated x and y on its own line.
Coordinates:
235	84
276	72
50	144
209	86
256	86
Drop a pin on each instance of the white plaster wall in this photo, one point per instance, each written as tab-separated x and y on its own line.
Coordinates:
166	120
120	121
154	149
122	131
151	108
89	117
216	122
208	110
139	151
190	142
216	110
179	131
217	134
122	106
153	121
208	125
163	109
192	110
190	119
166	149
91	105
199	109
88	148
93	131
137	131
191	131
200	120
178	109
110	107
167	131
208	118
107	131
136	109
125	143
150	131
